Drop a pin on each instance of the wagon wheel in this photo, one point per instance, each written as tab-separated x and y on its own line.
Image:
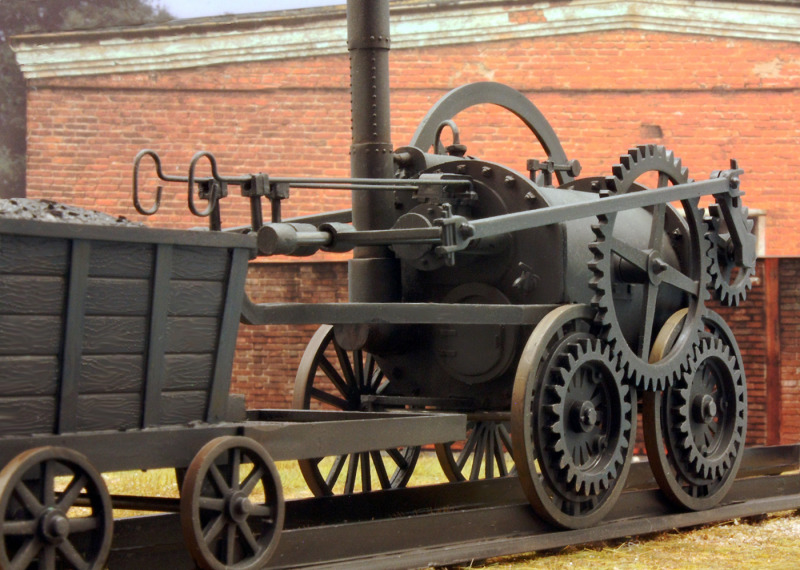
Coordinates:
232	507
695	431
485	453
39	522
331	378
573	420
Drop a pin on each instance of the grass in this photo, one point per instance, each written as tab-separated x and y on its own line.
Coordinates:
771	542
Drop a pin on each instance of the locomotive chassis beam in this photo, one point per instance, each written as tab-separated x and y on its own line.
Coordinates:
493	519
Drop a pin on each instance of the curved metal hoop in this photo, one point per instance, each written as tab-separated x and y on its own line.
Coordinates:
136	201
488	92
212	198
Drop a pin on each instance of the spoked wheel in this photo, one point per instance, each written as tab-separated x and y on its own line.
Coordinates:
695	430
331	378
573	420
41	527
232	507
485	453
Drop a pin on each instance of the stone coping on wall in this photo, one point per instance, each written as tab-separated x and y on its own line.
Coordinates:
313	32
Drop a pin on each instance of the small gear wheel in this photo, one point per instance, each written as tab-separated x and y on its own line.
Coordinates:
639	281
588	419
695	431
712	412
730	281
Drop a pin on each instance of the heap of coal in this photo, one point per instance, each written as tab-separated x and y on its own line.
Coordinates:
49	211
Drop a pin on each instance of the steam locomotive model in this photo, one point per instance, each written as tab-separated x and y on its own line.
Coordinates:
542	306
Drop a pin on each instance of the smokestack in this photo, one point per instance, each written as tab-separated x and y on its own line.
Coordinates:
373	273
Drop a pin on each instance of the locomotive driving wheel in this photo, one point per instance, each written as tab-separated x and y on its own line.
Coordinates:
695	430
41	523
232	507
331	378
485	453
573	420
671	267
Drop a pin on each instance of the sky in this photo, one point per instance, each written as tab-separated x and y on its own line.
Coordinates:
202	8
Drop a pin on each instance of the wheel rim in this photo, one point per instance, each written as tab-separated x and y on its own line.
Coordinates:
695	431
331	378
39	522
486	453
225	521
568	483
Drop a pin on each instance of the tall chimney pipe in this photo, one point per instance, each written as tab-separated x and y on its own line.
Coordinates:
374	274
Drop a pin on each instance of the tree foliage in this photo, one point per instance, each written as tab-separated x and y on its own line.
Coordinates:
28	17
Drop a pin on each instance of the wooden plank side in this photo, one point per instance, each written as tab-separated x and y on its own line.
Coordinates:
191	334
196	298
115	335
229	324
109	373
108	411
121	259
198	263
151	407
30	335
33	255
188	371
32	294
74	315
182	407
29	375
118	297
28	415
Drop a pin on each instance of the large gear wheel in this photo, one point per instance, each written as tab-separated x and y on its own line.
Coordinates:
660	273
695	431
729	281
585	428
573	421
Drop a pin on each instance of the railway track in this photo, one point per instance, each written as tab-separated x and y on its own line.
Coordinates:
460	522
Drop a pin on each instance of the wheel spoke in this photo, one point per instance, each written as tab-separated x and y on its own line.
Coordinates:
47	558
477	457
72	491
648	323
28	499
329	399
351	380
236	462
249	538
380	469
632	255
366	476
74	557
352	471
19	528
218	479
657	227
212	531
336	469
27	553
230	544
263	512
680	281
358	371
252	479
211	504
398	457
334	376
468	449
48	483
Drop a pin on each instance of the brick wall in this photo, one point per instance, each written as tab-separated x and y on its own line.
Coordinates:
706	98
